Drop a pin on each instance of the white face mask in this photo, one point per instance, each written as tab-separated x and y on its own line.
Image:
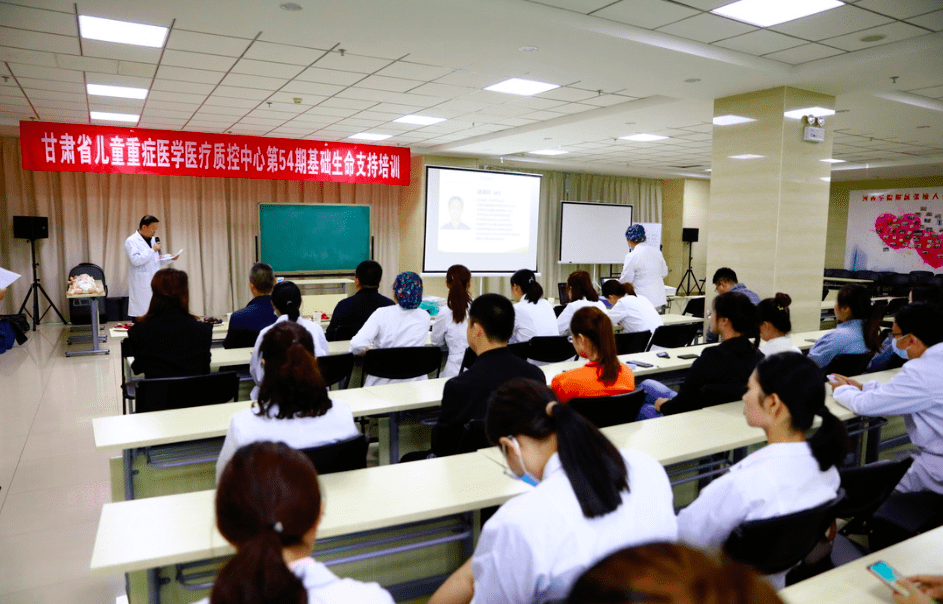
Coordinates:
901	352
526	476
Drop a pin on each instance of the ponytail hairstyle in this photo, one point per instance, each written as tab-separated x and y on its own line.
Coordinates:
527	281
593	465
800	385
581	287
292	379
614	288
737	308
594	324
670	572
776	312
858	300
268	498
287	299
457	279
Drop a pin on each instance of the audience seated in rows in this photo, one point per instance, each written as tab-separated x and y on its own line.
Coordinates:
775	325
632	312
246	323
580	289
604	375
857	331
448	330
351	313
533	315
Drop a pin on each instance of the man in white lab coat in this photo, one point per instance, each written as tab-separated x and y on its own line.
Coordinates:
143	250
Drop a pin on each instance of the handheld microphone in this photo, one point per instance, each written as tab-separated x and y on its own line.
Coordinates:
156	239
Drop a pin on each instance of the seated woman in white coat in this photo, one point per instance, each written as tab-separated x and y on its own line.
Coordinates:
916	393
775	325
293	405
580	288
269	505
589	500
533	315
790	474
450	327
286	299
401	325
632	312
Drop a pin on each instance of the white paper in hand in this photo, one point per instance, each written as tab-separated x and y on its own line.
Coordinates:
7	277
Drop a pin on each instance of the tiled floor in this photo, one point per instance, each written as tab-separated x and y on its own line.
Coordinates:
53	482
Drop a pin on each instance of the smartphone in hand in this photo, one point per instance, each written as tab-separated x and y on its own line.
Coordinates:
883	571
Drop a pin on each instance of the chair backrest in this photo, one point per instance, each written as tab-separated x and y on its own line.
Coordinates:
894	305
558	309
551	349
629	343
720	394
160	394
95	272
345	332
473	437
866	487
241	337
341	456
336	368
603	411
918	276
519	349
674	336
402	363
468	359
694	307
848	364
776	544
80	311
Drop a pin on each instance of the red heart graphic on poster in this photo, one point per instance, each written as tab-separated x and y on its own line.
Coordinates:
897	232
930	248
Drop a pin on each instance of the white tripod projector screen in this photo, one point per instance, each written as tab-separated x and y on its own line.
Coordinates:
593	233
483	219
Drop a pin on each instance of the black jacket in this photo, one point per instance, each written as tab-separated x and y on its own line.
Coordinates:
172	344
718	376
351	313
465	395
246	323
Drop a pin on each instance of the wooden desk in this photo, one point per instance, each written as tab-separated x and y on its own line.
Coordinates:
94	338
672	319
851	583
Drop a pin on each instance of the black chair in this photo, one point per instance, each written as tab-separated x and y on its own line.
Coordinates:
905	515
721	394
350	454
848	364
161	394
519	349
830	272
920	277
694	307
629	343
401	363
935	281
898	284
473	437
241	337
894	305
80	310
866	488
344	332
127	388
603	411
774	545
674	336
336	368
558	309
551	349
468	359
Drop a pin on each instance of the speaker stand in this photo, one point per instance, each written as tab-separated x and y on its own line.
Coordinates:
34	290
689	276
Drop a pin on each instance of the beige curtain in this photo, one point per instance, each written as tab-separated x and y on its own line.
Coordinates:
215	221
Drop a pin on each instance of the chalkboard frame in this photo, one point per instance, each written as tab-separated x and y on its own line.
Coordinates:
360	250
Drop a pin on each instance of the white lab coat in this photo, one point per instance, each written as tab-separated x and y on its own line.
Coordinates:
563	321
536	545
248	427
916	394
532	320
324	587
255	361
645	269
144	263
391	327
448	334
779	479
635	314
777	345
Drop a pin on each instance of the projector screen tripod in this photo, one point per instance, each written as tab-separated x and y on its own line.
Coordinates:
35	290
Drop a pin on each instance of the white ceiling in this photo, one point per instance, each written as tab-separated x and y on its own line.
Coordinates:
624	66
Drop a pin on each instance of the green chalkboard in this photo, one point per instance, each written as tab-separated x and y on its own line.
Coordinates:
313	237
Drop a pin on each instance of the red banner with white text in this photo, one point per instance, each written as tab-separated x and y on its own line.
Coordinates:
61	147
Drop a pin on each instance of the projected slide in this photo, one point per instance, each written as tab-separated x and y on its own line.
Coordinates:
483	219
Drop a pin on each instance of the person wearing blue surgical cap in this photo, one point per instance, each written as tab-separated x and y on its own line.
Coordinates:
644	267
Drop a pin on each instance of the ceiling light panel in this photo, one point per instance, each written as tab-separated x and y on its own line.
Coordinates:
369	136
549	152
643	138
122	92
122	32
113	117
798	114
421	120
730	120
521	87
746	156
764	13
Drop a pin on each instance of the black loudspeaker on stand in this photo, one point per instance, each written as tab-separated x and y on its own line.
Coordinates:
33	228
689	236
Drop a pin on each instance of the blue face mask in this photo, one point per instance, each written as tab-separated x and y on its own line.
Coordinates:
901	352
526	477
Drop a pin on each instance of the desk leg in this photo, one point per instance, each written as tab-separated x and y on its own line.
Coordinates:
394	437
128	474
96	349
154	581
